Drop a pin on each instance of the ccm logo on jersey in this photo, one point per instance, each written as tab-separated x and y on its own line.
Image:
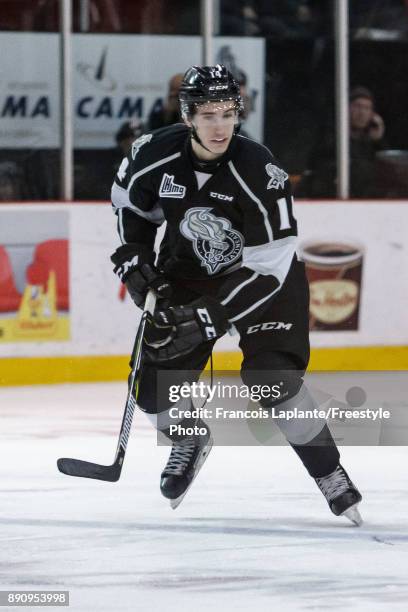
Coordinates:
221	196
268	326
169	189
205	318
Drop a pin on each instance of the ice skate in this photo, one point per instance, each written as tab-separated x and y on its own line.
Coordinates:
186	459
341	494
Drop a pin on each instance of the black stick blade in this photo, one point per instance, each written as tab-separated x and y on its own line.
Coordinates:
85	469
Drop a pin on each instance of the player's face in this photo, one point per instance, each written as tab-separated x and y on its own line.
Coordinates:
361	113
214	123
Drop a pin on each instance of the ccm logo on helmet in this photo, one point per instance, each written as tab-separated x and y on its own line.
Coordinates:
268	326
205	318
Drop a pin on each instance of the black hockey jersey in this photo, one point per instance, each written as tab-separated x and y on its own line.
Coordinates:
234	223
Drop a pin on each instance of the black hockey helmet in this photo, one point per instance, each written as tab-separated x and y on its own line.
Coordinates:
208	84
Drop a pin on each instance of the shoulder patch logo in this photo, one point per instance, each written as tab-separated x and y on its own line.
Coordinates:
278	177
215	243
138	144
169	189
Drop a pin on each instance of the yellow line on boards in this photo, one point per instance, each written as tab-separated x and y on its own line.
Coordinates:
94	368
51	370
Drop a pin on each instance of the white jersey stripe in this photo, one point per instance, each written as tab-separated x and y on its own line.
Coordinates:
238	289
120	199
120	226
251	308
254	198
271	258
120	196
151	167
274	258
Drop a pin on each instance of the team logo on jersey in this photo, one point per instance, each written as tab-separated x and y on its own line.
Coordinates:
215	243
169	189
278	177
138	144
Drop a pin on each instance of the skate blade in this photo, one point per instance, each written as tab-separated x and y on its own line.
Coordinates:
353	515
174	503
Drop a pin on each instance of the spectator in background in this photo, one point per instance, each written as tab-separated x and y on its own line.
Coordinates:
29	174
239	18
379	20
168	112
42	174
365	124
287	19
366	139
126	135
94	169
280	19
11	182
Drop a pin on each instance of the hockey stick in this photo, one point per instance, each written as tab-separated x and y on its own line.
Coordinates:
111	473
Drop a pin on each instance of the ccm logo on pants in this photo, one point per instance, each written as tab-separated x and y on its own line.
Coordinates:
267	326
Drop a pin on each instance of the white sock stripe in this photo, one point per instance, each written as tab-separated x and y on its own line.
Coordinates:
253	197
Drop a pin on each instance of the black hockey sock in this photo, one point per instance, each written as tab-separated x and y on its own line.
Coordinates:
320	456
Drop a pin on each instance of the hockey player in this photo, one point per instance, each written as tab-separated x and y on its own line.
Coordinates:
227	260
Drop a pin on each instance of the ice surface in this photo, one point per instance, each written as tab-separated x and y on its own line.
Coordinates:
253	533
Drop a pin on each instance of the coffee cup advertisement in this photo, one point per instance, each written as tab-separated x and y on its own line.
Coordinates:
334	271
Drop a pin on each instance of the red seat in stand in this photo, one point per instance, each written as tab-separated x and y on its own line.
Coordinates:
51	255
10	298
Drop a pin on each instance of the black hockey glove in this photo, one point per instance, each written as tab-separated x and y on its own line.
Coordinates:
180	329
139	274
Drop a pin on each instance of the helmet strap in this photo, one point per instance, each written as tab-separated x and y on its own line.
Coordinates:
197	138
